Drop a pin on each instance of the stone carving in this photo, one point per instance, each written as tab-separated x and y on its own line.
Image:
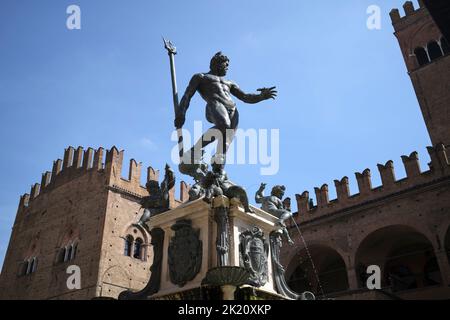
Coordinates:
276	243
274	205
254	252
185	253
158	201
196	192
216	183
223	240
153	285
220	110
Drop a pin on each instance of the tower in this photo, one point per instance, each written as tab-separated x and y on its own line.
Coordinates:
426	54
82	215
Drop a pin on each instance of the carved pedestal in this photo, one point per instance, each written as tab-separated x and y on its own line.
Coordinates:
199	237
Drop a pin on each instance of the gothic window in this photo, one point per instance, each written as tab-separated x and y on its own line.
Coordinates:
445	46
34	265
68	253
434	50
138	249
135	244
128	246
23	268
30	266
422	56
61	255
74	250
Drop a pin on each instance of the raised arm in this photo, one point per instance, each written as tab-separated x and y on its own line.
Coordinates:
186	100
264	94
259	196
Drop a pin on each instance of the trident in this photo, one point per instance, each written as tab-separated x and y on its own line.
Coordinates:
172	51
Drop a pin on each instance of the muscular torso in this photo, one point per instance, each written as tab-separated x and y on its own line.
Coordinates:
214	89
272	203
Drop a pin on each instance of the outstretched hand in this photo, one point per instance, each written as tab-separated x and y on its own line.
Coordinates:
262	187
268	93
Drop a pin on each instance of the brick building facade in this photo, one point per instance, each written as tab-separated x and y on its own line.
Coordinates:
403	226
84	213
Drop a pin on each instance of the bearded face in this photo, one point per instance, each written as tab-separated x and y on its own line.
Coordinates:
222	68
219	64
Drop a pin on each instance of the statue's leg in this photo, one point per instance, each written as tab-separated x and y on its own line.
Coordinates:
216	114
244	200
285	215
231	132
287	236
219	116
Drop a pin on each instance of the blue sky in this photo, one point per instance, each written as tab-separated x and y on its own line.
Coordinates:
345	100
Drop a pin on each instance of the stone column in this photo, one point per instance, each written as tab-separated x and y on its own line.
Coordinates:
352	279
444	266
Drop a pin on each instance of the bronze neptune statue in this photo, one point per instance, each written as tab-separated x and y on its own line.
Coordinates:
221	110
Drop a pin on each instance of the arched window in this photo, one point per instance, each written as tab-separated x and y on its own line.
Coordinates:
68	253
34	265
422	56
445	46
405	256
74	250
128	246
31	265
434	50
61	255
329	269
138	249
23	268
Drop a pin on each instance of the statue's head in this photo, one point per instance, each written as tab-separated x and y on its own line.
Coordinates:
219	64
278	191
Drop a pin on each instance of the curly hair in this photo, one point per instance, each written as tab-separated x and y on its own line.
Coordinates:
218	58
276	189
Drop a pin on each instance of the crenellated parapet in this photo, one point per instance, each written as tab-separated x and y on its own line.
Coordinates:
439	169
105	163
411	14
